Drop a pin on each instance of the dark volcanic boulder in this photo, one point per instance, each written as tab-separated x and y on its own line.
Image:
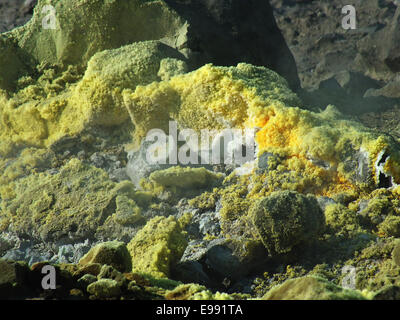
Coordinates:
226	32
213	262
12	276
286	219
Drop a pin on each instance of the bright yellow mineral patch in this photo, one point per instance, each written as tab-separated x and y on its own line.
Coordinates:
159	244
210	97
64	104
255	97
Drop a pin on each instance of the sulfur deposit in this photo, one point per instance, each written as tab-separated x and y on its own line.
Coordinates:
76	190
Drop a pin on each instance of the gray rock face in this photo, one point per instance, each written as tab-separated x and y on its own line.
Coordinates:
71	253
206	223
324	202
357	164
138	166
340	66
222	260
191	271
209	224
111	164
323	49
390	90
262	163
384	57
353	99
14	248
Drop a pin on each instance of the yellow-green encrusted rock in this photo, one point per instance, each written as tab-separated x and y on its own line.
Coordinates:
390	227
127	211
185	178
181	181
83	28
194	291
345	158
286	219
104	288
311	288
396	254
112	253
157	246
45	114
341	219
77	199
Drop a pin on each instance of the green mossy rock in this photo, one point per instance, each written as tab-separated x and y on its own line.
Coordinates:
112	253
84	281
390	226
104	288
389	292
396	254
29	161
17	63
311	288
90	268
286	219
341	220
84	27
194	291
378	206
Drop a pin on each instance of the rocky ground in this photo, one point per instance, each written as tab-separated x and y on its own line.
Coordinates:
77	193
15	13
